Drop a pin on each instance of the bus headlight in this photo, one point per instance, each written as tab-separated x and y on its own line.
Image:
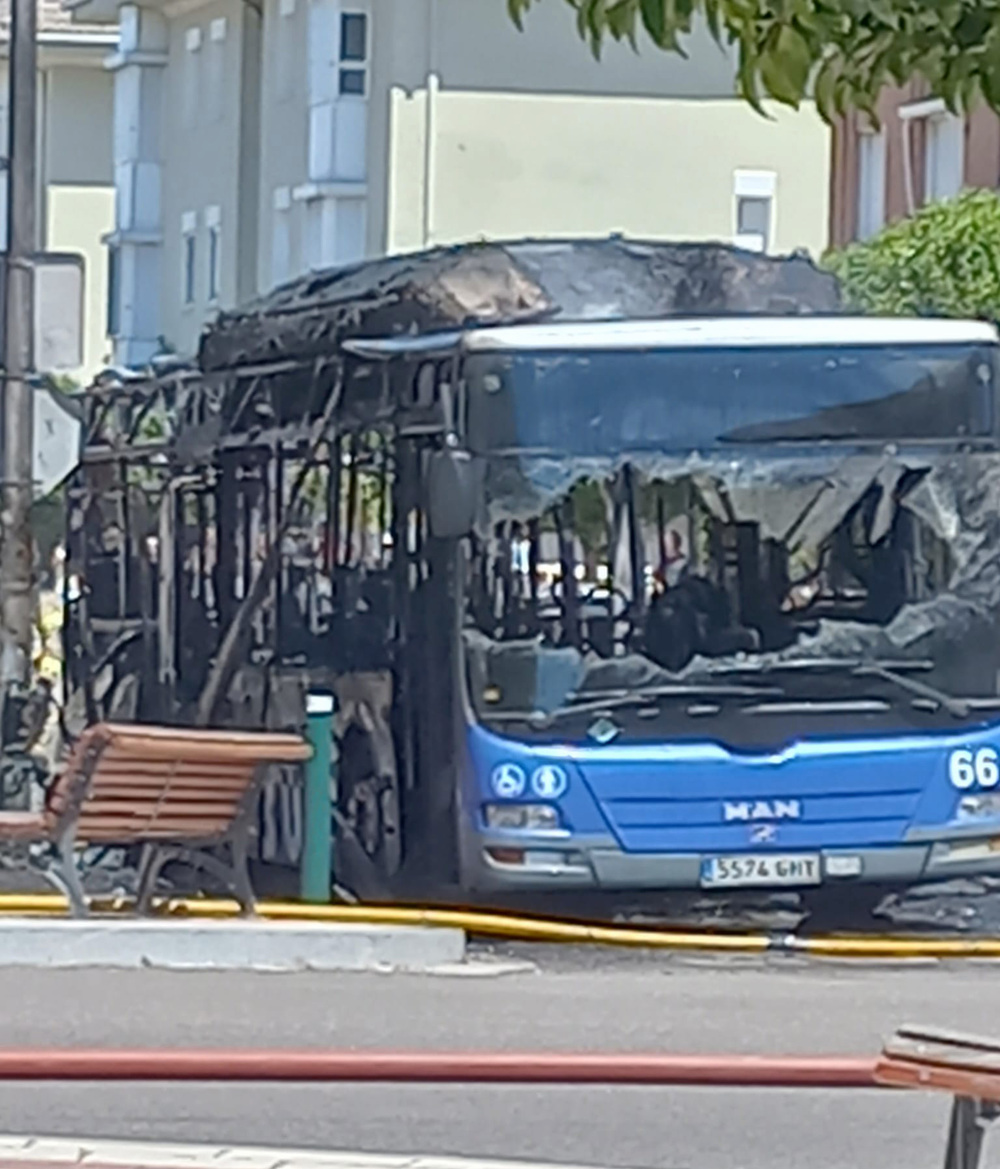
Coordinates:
975	807
526	817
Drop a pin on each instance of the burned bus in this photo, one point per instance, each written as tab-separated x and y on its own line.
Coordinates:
631	567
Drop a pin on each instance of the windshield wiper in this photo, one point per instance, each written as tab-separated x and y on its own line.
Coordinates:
896	672
954	706
819	665
634	698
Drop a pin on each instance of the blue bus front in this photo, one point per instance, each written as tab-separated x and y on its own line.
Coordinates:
732	610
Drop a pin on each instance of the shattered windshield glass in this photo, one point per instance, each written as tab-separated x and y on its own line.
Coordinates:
735	544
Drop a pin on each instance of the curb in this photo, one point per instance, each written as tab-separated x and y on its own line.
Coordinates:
99	1154
196	944
535	929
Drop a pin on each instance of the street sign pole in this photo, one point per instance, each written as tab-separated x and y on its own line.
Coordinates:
16	553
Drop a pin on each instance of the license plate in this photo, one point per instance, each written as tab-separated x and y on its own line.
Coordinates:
732	871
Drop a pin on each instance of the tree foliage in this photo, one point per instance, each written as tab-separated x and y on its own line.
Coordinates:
944	260
842	51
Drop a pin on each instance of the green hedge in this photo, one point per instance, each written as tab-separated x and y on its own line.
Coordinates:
943	261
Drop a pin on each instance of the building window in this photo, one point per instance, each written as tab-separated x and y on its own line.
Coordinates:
353	74
215	63
871	183
754	193
213	221
191	76
214	234
281	236
753	222
284	48
189	257
944	156
114	287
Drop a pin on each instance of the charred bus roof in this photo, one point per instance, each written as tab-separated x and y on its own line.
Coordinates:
522	282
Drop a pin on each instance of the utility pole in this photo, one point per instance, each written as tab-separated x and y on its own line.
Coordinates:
16	548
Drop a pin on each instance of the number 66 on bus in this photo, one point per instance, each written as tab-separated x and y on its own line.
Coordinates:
968	769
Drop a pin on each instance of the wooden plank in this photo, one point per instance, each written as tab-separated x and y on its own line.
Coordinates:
943	1036
180	770
892	1073
111	830
175	744
189	786
943	1055
188	809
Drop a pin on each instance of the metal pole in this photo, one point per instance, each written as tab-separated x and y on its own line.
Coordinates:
16	553
317	843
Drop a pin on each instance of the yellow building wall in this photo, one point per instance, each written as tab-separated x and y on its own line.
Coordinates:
509	165
76	218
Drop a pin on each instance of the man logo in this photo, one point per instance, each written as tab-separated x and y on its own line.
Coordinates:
748	811
763	834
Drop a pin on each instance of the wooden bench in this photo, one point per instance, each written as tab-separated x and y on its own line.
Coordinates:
964	1066
178	792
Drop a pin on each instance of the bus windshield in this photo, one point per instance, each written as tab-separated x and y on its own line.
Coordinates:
601	402
674	537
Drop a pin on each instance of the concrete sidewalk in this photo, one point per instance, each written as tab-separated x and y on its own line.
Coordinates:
41	1151
233	944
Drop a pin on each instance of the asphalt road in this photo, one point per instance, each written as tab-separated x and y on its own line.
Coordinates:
584	1000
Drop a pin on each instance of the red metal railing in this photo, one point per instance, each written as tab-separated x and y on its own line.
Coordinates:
750	1071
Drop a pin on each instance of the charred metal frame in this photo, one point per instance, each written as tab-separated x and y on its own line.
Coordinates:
161	627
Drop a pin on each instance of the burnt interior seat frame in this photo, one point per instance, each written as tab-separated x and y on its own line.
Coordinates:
966	1067
183	794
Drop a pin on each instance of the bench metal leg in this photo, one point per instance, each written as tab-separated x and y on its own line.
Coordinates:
966	1131
145	881
241	884
62	872
235	876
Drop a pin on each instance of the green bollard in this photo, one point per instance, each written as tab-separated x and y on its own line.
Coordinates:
317	812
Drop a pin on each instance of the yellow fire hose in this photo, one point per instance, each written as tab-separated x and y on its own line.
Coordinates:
530	929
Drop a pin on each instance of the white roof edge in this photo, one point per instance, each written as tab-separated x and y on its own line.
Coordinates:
733	331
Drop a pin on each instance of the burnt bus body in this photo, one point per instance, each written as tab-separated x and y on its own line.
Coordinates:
631	566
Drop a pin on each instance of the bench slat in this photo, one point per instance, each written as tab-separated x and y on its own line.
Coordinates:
944	1055
136	764
170	744
105	829
177	809
187	778
148	797
940	1035
892	1073
190	786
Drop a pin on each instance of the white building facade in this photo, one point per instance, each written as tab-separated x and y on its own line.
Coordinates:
257	139
75	175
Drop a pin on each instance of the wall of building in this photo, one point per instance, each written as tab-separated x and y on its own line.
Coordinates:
472	45
900	195
206	141
80	106
317	137
284	125
548	165
77	219
79	181
76	178
473	51
522	134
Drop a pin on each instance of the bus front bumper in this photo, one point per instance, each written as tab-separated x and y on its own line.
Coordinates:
543	863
